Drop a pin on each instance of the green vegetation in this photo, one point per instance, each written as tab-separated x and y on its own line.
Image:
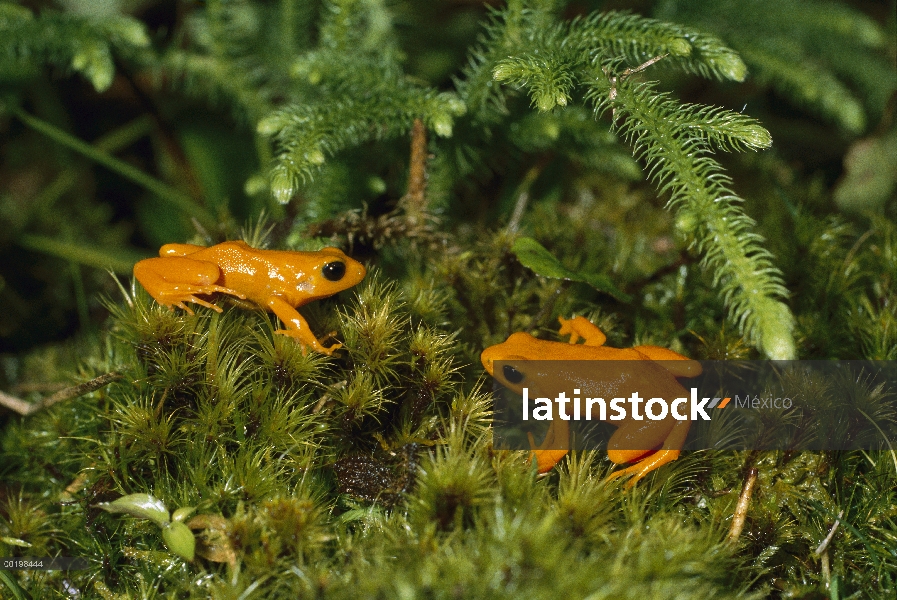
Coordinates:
715	177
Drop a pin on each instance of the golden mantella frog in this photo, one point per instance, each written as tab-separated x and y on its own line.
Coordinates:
277	281
647	443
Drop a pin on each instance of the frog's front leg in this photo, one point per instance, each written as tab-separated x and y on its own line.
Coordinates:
669	452
553	448
297	326
580	327
175	280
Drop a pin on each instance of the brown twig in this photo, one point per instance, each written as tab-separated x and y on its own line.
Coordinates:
26	408
741	509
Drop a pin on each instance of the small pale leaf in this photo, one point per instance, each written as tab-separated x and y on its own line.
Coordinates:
10	541
533	255
179	539
142	506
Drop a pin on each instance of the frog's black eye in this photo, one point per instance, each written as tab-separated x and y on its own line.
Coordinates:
512	374
334	271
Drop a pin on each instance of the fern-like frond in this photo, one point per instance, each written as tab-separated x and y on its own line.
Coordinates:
234	58
357	25
708	211
637	39
548	64
784	67
219	81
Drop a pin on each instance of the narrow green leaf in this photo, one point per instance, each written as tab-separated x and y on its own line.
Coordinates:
119	261
533	255
169	194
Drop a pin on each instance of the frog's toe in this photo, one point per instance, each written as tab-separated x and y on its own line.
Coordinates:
202	302
184	306
331	349
645	466
224	290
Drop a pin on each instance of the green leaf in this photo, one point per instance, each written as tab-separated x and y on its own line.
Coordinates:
870	174
142	506
533	255
13	586
179	539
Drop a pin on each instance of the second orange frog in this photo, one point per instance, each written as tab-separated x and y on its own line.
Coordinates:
648	444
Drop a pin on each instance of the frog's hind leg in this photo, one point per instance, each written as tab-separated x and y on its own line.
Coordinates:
675	363
179	249
668	453
580	327
175	280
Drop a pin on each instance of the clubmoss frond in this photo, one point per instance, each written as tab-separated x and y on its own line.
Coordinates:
808	51
564	53
217	81
678	162
67	41
637	39
357	93
576	133
674	141
306	135
236	59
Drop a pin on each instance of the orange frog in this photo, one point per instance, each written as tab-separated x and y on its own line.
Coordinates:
646	443
277	281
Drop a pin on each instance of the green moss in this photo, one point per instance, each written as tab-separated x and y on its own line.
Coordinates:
371	473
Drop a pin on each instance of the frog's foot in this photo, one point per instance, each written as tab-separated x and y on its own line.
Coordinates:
645	466
547	459
306	340
580	327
